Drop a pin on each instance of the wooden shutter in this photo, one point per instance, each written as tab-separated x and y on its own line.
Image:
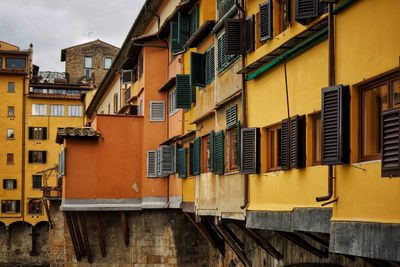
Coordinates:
219	152
212	151
210	65
250	150
36	181
183	28
3	206
198	69
152	163
44	156
4	183
221	52
266	20
390	143
307	10
44	133
231	117
249	33
285	145
31	129
30	156
166	160
191	159
297	139
196	156
17	206
183	88
182	169
157	110
238	146
14	181
175	45
234	37
127	76
335	123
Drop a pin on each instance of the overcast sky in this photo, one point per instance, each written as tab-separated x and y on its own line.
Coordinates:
51	25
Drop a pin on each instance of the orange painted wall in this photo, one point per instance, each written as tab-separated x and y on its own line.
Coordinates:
95	169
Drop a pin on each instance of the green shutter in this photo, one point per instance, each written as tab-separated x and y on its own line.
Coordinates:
183	91
219	153
175	45
238	145
183	28
198	69
210	65
190	159
211	157
182	169
196	156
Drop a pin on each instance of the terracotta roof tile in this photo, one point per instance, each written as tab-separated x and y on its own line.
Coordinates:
63	133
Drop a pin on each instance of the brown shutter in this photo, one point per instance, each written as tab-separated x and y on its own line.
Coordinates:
250	152
297	142
234	37
249	34
44	131
285	146
266	20
17	206
31	133
307	10
198	69
390	143
335	123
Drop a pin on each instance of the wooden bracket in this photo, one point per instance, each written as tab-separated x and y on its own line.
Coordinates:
73	237
304	244
125	228
100	236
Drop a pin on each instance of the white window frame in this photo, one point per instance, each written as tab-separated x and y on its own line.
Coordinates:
172	109
74	112
57	110
91	62
39	109
104	62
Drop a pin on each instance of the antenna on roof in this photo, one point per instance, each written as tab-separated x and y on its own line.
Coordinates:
87	34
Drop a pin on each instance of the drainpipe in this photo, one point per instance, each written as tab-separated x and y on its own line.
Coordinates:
24	95
331	78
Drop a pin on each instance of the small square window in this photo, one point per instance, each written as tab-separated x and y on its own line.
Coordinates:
316	139
10	133
10	158
88	62
107	62
10	111
11	87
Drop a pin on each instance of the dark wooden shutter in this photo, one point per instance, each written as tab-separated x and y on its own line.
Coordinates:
335	124
175	45
4	183
166	160
297	139
30	156
249	33
285	145
390	143
212	150
182	163
221	52
44	156
14	183
198	69
31	129
219	153
238	146
152	167
44	132
196	156
231	117
307	10
183	88
210	65
266	20
183	28
3	206
17	206
250	152
234	37
191	159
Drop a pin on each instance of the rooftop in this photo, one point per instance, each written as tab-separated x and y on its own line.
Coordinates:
85	132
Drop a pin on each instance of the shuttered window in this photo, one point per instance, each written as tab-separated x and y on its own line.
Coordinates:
37	133
198	69
307	10
194	19
37	156
175	45
196	156
10	206
231	117
191	159
182	167
166	160
266	21
335	118
284	143
232	151
250	152
219	153
234	36
35	206
210	65
180	29
297	144
9	184
61	163
183	91
249	32
391	143
224	59
152	167
36	181
157	110
127	76
274	147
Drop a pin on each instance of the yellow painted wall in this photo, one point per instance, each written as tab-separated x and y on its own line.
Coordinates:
108	98
367	46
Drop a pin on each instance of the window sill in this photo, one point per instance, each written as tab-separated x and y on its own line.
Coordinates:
366	162
231	173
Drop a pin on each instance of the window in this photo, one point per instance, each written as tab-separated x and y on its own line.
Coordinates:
35	206
11	87
316	139
140	65
107	62
75	111
210	65
10	133
282	13
376	97
10	158
115	103
37	156
140	107
15	63
39	110
88	62
57	110
274	148
224	60
37	133
157	110
172	102
194	20
231	156
10	206
10	111
224	6
9	184
36	181
1	62
205	154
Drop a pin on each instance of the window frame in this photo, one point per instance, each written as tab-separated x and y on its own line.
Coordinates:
10	160
172	109
8	133
226	60
314	118
104	62
39	113
153	119
17	58
38	209
275	128
7	202
57	106
9	115
43	157
373	84
205	154
12	87
84	63
12	181
231	143
71	109
115	103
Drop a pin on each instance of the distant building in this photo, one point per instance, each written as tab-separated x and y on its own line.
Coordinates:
89	62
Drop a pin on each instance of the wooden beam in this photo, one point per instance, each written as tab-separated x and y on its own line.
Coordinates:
259	240
46	207
73	237
85	237
77	231
100	236
125	228
232	234
303	244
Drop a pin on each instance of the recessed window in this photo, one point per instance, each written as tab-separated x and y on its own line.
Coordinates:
224	6
224	60
88	62
282	12
11	87
15	63
10	133
376	97
37	156
36	181
35	206
10	158
10	206
10	111
57	110
231	154
75	111
107	62
273	135
205	154
39	109
172	102
157	111
316	139
37	133
115	103
9	184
